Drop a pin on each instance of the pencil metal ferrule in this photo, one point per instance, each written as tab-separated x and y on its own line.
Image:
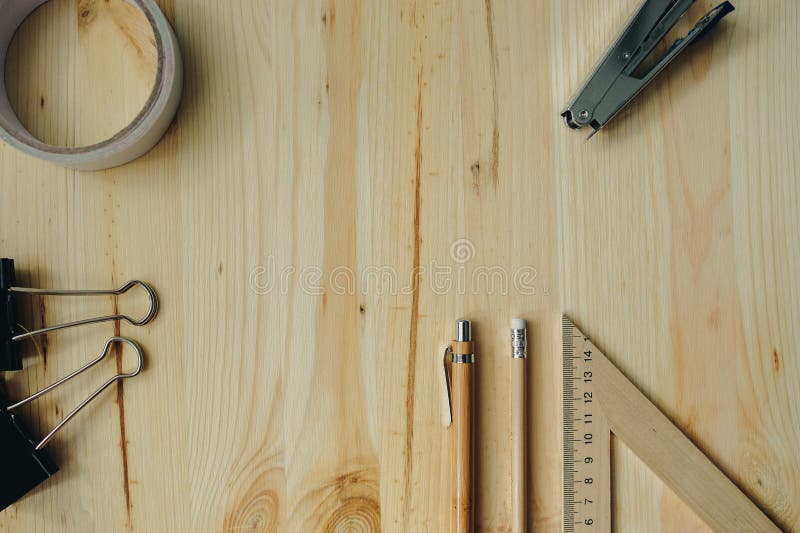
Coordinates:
519	343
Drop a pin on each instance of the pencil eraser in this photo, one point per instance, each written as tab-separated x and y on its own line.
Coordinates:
517	323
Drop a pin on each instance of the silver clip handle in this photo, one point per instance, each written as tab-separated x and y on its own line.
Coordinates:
151	313
92	396
446	404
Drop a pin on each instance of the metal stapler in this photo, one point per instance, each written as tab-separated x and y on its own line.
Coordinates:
615	81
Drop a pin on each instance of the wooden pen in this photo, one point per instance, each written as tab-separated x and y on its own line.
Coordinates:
518	410
461	429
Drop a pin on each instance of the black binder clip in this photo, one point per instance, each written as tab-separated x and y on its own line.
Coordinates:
10	357
614	81
24	463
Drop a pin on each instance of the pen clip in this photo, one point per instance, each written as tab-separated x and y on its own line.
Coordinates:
444	389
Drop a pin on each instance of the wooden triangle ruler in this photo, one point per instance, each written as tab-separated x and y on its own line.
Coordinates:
598	401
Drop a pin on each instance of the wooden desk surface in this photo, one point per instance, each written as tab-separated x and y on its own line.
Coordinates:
344	180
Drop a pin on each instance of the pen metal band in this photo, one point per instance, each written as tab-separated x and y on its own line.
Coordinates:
463	352
462	358
135	139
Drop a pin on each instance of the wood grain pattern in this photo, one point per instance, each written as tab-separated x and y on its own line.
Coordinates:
356	146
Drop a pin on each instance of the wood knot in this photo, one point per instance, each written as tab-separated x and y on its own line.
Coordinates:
258	509
355	515
329	16
475	170
258	514
347	502
767	484
87	12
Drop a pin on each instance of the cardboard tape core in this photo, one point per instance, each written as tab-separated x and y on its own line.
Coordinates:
135	139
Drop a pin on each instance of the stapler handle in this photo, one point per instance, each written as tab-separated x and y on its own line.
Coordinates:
614	82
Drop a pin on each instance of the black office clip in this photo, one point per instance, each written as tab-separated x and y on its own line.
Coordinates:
24	464
614	81
10	357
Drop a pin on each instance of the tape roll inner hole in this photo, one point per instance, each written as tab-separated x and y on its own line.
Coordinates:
126	88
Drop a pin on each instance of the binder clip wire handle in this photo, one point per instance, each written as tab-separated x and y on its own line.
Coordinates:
151	313
93	395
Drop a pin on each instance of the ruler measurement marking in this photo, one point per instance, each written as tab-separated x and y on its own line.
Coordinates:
581	475
568	430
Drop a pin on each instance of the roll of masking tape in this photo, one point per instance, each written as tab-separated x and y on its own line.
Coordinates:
133	140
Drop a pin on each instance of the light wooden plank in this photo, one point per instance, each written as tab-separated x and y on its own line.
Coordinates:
363	135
